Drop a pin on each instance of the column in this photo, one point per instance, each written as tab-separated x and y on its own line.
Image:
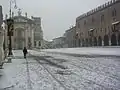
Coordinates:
1	46
109	42
102	43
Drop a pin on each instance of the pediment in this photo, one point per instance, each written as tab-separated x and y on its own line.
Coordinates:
20	19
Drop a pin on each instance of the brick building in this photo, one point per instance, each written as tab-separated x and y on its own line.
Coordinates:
70	38
100	26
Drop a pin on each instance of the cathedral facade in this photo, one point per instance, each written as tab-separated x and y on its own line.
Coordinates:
24	32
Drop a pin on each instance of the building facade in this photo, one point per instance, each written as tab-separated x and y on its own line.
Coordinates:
38	34
70	37
47	44
24	32
58	42
1	38
100	26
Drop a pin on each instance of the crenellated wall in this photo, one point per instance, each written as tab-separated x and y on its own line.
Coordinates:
100	25
99	8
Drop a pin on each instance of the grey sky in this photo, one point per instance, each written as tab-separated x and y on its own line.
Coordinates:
57	15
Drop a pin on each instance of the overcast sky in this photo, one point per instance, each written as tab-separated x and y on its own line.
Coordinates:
57	15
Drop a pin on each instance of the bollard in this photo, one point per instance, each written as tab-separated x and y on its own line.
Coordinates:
1	66
9	59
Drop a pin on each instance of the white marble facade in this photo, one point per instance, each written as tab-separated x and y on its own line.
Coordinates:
1	38
23	33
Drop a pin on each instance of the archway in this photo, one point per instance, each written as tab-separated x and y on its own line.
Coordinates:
90	41
95	41
75	43
87	42
113	40
99	41
79	43
83	43
20	38
119	39
106	40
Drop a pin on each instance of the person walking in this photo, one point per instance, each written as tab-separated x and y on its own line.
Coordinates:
25	52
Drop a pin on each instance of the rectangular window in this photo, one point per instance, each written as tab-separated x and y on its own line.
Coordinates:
93	19
85	22
39	43
105	30
78	25
101	30
102	18
34	43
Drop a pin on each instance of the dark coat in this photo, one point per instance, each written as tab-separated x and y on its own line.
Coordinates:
25	51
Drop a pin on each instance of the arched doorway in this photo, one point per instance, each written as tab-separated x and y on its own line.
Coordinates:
95	41
90	41
75	43
106	40
20	38
119	39
83	43
99	41
87	42
79	43
113	40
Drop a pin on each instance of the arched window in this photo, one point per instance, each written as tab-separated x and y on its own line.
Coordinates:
85	22
114	13
93	19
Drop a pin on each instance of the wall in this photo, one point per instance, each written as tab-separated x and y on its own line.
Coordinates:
92	20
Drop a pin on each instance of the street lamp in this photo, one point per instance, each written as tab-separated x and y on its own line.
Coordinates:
10	23
15	6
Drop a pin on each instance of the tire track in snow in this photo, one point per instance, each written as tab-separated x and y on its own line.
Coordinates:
77	66
28	76
65	88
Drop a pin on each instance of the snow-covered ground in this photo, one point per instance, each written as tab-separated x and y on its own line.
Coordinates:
57	71
20	75
88	50
85	72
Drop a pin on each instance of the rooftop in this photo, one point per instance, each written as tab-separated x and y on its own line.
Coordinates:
110	3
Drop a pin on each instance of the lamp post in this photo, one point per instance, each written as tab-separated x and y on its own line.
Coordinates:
10	23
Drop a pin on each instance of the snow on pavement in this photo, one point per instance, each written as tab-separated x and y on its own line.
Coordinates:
20	76
101	73
56	71
88	50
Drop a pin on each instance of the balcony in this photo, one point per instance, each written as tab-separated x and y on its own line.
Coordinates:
116	26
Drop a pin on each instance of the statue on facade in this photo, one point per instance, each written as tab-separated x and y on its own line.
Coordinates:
19	12
1	46
12	14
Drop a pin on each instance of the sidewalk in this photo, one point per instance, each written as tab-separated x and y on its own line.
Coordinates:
25	74
13	73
